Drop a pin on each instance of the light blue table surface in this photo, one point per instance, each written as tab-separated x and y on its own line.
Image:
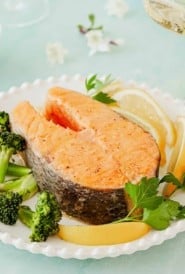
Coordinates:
151	54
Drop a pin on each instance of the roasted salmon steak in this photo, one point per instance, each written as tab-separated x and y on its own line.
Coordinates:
84	153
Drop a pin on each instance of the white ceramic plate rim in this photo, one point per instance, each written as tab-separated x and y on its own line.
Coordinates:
18	234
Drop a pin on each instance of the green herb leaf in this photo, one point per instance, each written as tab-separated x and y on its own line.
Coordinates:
98	28
100	85
90	82
96	87
103	97
170	178
161	217
183	180
79	26
144	194
181	214
91	19
158	212
84	30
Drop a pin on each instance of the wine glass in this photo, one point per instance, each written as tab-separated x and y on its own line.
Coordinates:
21	13
168	13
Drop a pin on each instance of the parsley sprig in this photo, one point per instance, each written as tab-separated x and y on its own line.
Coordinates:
92	26
155	210
95	87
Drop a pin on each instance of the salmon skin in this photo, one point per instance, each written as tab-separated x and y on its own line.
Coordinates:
84	153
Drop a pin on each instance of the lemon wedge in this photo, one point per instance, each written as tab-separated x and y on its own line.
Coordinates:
107	234
140	107
177	160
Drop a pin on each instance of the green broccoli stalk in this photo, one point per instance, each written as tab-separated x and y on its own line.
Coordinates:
9	207
10	143
17	170
4	121
25	186
43	222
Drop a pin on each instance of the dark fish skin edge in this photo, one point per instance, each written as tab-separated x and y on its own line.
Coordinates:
87	204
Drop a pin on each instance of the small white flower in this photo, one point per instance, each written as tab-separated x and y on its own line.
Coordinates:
56	53
117	7
96	41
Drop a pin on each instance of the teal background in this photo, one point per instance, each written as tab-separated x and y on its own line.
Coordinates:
151	54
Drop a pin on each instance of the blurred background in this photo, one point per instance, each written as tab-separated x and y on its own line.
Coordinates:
150	52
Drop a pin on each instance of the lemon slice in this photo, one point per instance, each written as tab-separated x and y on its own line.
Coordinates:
108	234
140	107
177	160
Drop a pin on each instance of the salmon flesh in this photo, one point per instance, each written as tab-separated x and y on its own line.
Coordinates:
84	153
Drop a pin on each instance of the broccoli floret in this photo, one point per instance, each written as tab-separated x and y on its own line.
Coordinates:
43	222
10	143
18	170
9	206
4	121
11	196
25	186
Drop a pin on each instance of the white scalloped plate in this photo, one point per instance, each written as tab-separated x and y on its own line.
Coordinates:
18	235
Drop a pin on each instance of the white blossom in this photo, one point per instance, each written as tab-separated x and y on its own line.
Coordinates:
98	43
56	53
117	8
